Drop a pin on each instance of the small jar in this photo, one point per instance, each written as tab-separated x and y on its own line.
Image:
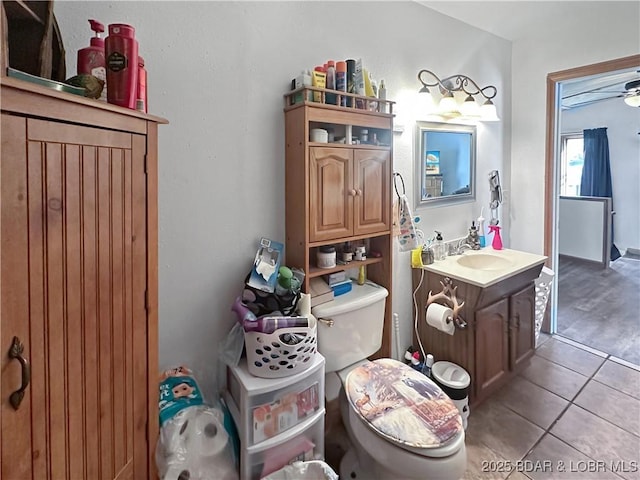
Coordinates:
364	136
326	257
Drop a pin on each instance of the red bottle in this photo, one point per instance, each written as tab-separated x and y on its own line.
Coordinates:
91	60
121	50
141	96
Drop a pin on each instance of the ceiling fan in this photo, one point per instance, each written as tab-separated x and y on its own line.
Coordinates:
632	93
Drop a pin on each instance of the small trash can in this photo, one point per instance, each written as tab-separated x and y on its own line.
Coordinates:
454	381
311	470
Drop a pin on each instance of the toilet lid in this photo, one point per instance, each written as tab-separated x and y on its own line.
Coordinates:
402	404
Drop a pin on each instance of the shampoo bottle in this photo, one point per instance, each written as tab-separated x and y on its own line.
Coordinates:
331	82
121	50
497	240
91	59
141	93
341	81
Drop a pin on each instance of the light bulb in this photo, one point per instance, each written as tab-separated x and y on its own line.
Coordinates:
448	104
470	108
488	112
633	100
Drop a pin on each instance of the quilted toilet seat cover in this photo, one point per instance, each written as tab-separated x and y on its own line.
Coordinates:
402	404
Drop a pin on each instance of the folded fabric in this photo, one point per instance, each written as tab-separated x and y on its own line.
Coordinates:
408	239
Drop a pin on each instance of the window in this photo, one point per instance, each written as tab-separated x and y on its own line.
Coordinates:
572	162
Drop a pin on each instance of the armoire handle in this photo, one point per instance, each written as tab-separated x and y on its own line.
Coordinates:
16	352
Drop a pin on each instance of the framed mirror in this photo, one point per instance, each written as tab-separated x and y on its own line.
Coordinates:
445	163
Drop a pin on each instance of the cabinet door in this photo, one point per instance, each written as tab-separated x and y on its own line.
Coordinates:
492	347
73	280
331	193
522	307
372	202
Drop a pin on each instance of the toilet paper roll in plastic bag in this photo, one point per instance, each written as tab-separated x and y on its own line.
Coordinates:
193	442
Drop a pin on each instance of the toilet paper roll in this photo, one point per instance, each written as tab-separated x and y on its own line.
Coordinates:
437	317
209	438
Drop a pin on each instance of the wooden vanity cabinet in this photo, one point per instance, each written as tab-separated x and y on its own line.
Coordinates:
500	333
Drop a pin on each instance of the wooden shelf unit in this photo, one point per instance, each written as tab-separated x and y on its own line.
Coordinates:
340	192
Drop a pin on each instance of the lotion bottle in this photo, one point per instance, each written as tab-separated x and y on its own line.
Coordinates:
438	247
121	51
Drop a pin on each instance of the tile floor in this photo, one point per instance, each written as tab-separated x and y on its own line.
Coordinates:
572	413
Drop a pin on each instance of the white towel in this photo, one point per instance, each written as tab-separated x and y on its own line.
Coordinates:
407	238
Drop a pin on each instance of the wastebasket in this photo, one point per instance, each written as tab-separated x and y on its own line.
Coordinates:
311	470
454	381
543	289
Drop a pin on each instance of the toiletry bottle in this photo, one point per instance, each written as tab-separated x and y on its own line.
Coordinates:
362	275
497	240
351	87
318	79
382	95
438	247
121	52
481	230
141	97
91	59
331	82
472	238
428	363
341	81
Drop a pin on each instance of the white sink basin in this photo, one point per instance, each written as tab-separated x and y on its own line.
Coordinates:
484	261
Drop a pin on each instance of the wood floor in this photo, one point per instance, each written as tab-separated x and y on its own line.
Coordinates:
600	307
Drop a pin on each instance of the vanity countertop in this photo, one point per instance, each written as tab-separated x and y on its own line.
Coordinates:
489	267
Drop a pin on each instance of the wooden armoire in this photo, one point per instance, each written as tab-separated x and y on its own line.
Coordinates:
78	287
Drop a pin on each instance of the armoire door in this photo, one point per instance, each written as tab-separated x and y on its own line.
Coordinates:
73	281
372	202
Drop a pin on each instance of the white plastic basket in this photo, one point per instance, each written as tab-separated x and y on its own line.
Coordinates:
543	289
284	352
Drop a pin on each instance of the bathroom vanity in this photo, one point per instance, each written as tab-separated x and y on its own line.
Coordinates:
498	291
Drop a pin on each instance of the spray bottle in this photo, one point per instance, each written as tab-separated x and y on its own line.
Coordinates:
91	60
497	240
483	242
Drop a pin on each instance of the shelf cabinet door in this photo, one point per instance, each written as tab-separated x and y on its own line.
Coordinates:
331	193
492	347
73	282
372	202
522	343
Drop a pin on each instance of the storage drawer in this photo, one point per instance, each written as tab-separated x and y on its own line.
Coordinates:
304	442
268	407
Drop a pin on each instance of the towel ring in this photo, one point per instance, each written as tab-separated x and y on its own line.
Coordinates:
395	184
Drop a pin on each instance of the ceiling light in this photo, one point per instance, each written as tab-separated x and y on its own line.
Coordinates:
470	108
632	97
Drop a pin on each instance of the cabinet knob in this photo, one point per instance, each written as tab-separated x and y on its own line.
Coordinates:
352	192
358	192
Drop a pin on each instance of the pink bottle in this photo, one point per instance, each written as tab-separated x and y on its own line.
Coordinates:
91	59
497	240
121	51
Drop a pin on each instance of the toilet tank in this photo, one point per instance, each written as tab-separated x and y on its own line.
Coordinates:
358	321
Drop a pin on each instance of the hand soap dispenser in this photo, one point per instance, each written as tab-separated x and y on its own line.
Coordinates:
438	247
481	230
497	240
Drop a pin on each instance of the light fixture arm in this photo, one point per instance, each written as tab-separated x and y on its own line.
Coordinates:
456	83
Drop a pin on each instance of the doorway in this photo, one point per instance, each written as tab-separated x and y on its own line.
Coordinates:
552	154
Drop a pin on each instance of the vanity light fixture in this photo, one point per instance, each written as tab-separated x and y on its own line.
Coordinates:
477	105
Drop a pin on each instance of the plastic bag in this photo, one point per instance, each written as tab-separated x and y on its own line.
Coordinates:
193	442
194	445
312	470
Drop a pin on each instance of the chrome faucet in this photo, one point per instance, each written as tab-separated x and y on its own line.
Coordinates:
459	248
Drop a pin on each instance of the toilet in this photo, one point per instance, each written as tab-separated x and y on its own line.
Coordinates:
401	425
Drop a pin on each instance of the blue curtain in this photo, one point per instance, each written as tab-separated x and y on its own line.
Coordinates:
596	172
